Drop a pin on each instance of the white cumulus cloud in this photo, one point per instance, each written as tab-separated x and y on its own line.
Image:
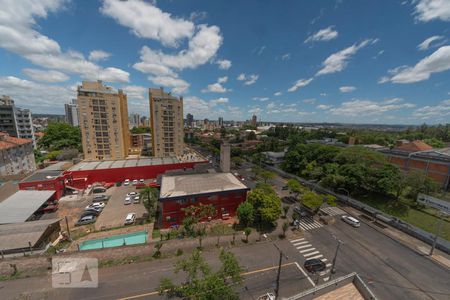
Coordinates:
428	10
300	83
224	64
433	111
248	79
361	108
326	34
338	61
438	61
347	89
45	75
97	55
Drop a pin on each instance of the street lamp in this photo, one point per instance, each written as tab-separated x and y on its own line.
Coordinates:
333	269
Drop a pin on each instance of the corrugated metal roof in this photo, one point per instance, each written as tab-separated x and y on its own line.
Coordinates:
194	184
20	206
17	236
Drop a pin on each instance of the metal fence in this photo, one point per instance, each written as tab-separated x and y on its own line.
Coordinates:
407	228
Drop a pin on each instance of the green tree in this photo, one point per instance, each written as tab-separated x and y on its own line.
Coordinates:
267	175
59	136
247	232
193	216
295	187
149	198
419	182
312	200
267	205
245	213
140	130
285	211
237	161
201	283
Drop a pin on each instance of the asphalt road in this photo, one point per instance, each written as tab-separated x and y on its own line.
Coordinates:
391	270
140	280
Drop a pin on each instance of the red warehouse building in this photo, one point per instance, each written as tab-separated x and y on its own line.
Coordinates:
435	163
223	190
85	173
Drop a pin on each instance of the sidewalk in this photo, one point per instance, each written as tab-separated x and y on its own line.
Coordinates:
405	239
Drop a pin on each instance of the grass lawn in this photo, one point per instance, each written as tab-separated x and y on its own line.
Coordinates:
423	220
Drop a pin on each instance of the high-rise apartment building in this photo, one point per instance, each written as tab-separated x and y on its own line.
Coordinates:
166	114
135	120
103	115
71	116
254	121
15	121
220	122
189	120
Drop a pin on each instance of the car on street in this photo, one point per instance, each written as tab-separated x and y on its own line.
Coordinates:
126	182
314	265
127	200
350	220
86	220
289	199
101	198
136	199
130	219
300	211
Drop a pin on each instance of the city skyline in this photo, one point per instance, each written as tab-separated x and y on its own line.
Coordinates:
387	63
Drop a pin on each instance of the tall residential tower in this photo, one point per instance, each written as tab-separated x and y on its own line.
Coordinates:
71	110
166	114
103	115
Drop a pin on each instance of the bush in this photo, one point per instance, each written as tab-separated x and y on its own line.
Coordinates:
179	252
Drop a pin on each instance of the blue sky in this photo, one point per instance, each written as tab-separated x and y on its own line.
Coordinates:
358	61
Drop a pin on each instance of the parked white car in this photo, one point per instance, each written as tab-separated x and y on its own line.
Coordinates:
132	194
126	182
350	220
135	182
131	217
96	204
136	199
127	200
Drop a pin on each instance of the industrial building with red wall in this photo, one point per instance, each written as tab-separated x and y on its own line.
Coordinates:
222	190
86	173
416	155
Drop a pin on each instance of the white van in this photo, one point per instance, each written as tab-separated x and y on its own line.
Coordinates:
350	220
131	217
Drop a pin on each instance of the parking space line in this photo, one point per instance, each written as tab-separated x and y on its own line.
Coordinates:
297	240
307	250
309	254
304	246
306	275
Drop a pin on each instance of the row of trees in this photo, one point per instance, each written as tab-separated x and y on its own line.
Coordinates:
357	170
262	207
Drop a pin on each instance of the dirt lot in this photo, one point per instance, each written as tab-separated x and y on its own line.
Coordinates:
114	213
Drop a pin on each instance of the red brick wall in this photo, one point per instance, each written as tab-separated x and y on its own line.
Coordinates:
172	213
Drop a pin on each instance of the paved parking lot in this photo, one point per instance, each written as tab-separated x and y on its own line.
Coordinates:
114	213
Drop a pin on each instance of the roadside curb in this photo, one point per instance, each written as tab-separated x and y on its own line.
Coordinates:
401	242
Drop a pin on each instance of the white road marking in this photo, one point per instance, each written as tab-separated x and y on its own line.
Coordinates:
324	259
304	273
297	240
301	243
310	254
304	246
307	250
328	265
317	256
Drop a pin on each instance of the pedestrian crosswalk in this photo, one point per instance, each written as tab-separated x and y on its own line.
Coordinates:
305	248
333	211
308	223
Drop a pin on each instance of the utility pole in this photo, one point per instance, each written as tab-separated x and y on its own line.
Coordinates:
333	269
438	230
277	288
